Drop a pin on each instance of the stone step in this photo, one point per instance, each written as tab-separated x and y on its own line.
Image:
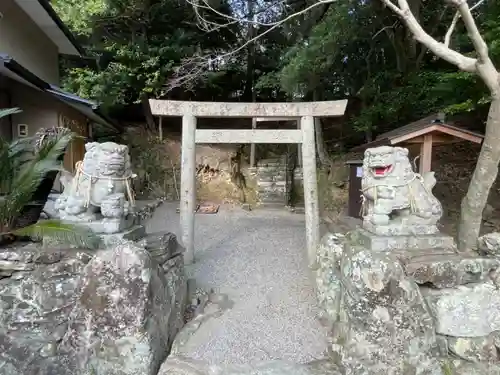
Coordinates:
298	209
272	178
272	194
272	191
277	205
267	184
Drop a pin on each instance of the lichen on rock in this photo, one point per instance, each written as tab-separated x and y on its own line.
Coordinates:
113	312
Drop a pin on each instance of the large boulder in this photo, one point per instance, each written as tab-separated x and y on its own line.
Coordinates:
489	244
381	323
186	366
113	312
120	323
467	311
37	293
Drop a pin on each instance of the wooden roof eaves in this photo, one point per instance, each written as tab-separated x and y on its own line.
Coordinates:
411	127
438	127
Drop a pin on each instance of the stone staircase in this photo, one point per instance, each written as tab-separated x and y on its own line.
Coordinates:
276	179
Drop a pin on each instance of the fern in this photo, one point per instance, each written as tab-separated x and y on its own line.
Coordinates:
24	163
62	232
9	111
23	170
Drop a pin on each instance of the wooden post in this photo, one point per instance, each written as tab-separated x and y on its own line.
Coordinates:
188	185
426	154
310	187
252	145
160	128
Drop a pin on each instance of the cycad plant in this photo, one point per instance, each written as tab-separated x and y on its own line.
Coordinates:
24	165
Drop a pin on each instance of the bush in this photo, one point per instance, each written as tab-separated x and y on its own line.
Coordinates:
158	171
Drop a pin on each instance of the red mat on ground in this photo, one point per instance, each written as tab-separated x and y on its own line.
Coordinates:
208	208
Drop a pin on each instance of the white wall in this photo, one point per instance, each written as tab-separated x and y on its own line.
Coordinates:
39	109
23	40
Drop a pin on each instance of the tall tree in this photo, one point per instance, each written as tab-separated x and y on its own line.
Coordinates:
137	46
360	49
479	62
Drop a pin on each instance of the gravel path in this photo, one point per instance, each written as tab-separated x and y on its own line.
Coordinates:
259	260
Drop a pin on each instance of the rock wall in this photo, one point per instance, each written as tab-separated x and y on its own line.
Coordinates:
409	311
113	312
380	322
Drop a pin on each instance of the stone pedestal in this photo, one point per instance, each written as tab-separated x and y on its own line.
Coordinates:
400	297
401	227
377	243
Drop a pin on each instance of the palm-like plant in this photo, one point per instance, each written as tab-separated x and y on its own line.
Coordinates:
24	166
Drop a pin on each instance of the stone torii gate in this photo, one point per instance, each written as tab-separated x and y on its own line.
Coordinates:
189	111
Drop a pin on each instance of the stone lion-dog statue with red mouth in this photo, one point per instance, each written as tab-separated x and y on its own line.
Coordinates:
397	200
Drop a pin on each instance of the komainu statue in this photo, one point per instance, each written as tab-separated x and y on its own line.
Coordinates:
101	190
396	200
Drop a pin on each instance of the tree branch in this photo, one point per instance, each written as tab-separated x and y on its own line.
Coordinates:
447	37
385	28
472	30
433	31
205	24
454	22
467	64
194	67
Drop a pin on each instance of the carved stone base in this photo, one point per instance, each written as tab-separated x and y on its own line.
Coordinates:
135	233
376	242
400	228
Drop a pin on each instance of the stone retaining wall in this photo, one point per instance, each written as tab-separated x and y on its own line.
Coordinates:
431	311
70	311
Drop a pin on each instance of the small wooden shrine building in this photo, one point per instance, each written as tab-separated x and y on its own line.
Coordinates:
420	137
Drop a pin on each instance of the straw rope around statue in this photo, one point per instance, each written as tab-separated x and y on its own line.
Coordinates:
411	194
94	179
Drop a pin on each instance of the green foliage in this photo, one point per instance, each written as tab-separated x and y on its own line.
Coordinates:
158	173
79	14
447	368
24	163
360	49
61	232
137	46
350	48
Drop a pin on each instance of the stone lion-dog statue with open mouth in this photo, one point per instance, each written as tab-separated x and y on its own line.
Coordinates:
397	200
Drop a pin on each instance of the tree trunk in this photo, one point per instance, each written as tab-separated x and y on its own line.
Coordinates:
320	143
248	93
369	135
482	180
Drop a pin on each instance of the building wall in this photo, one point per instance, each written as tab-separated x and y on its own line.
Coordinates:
5	122
23	40
38	109
41	110
79	124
